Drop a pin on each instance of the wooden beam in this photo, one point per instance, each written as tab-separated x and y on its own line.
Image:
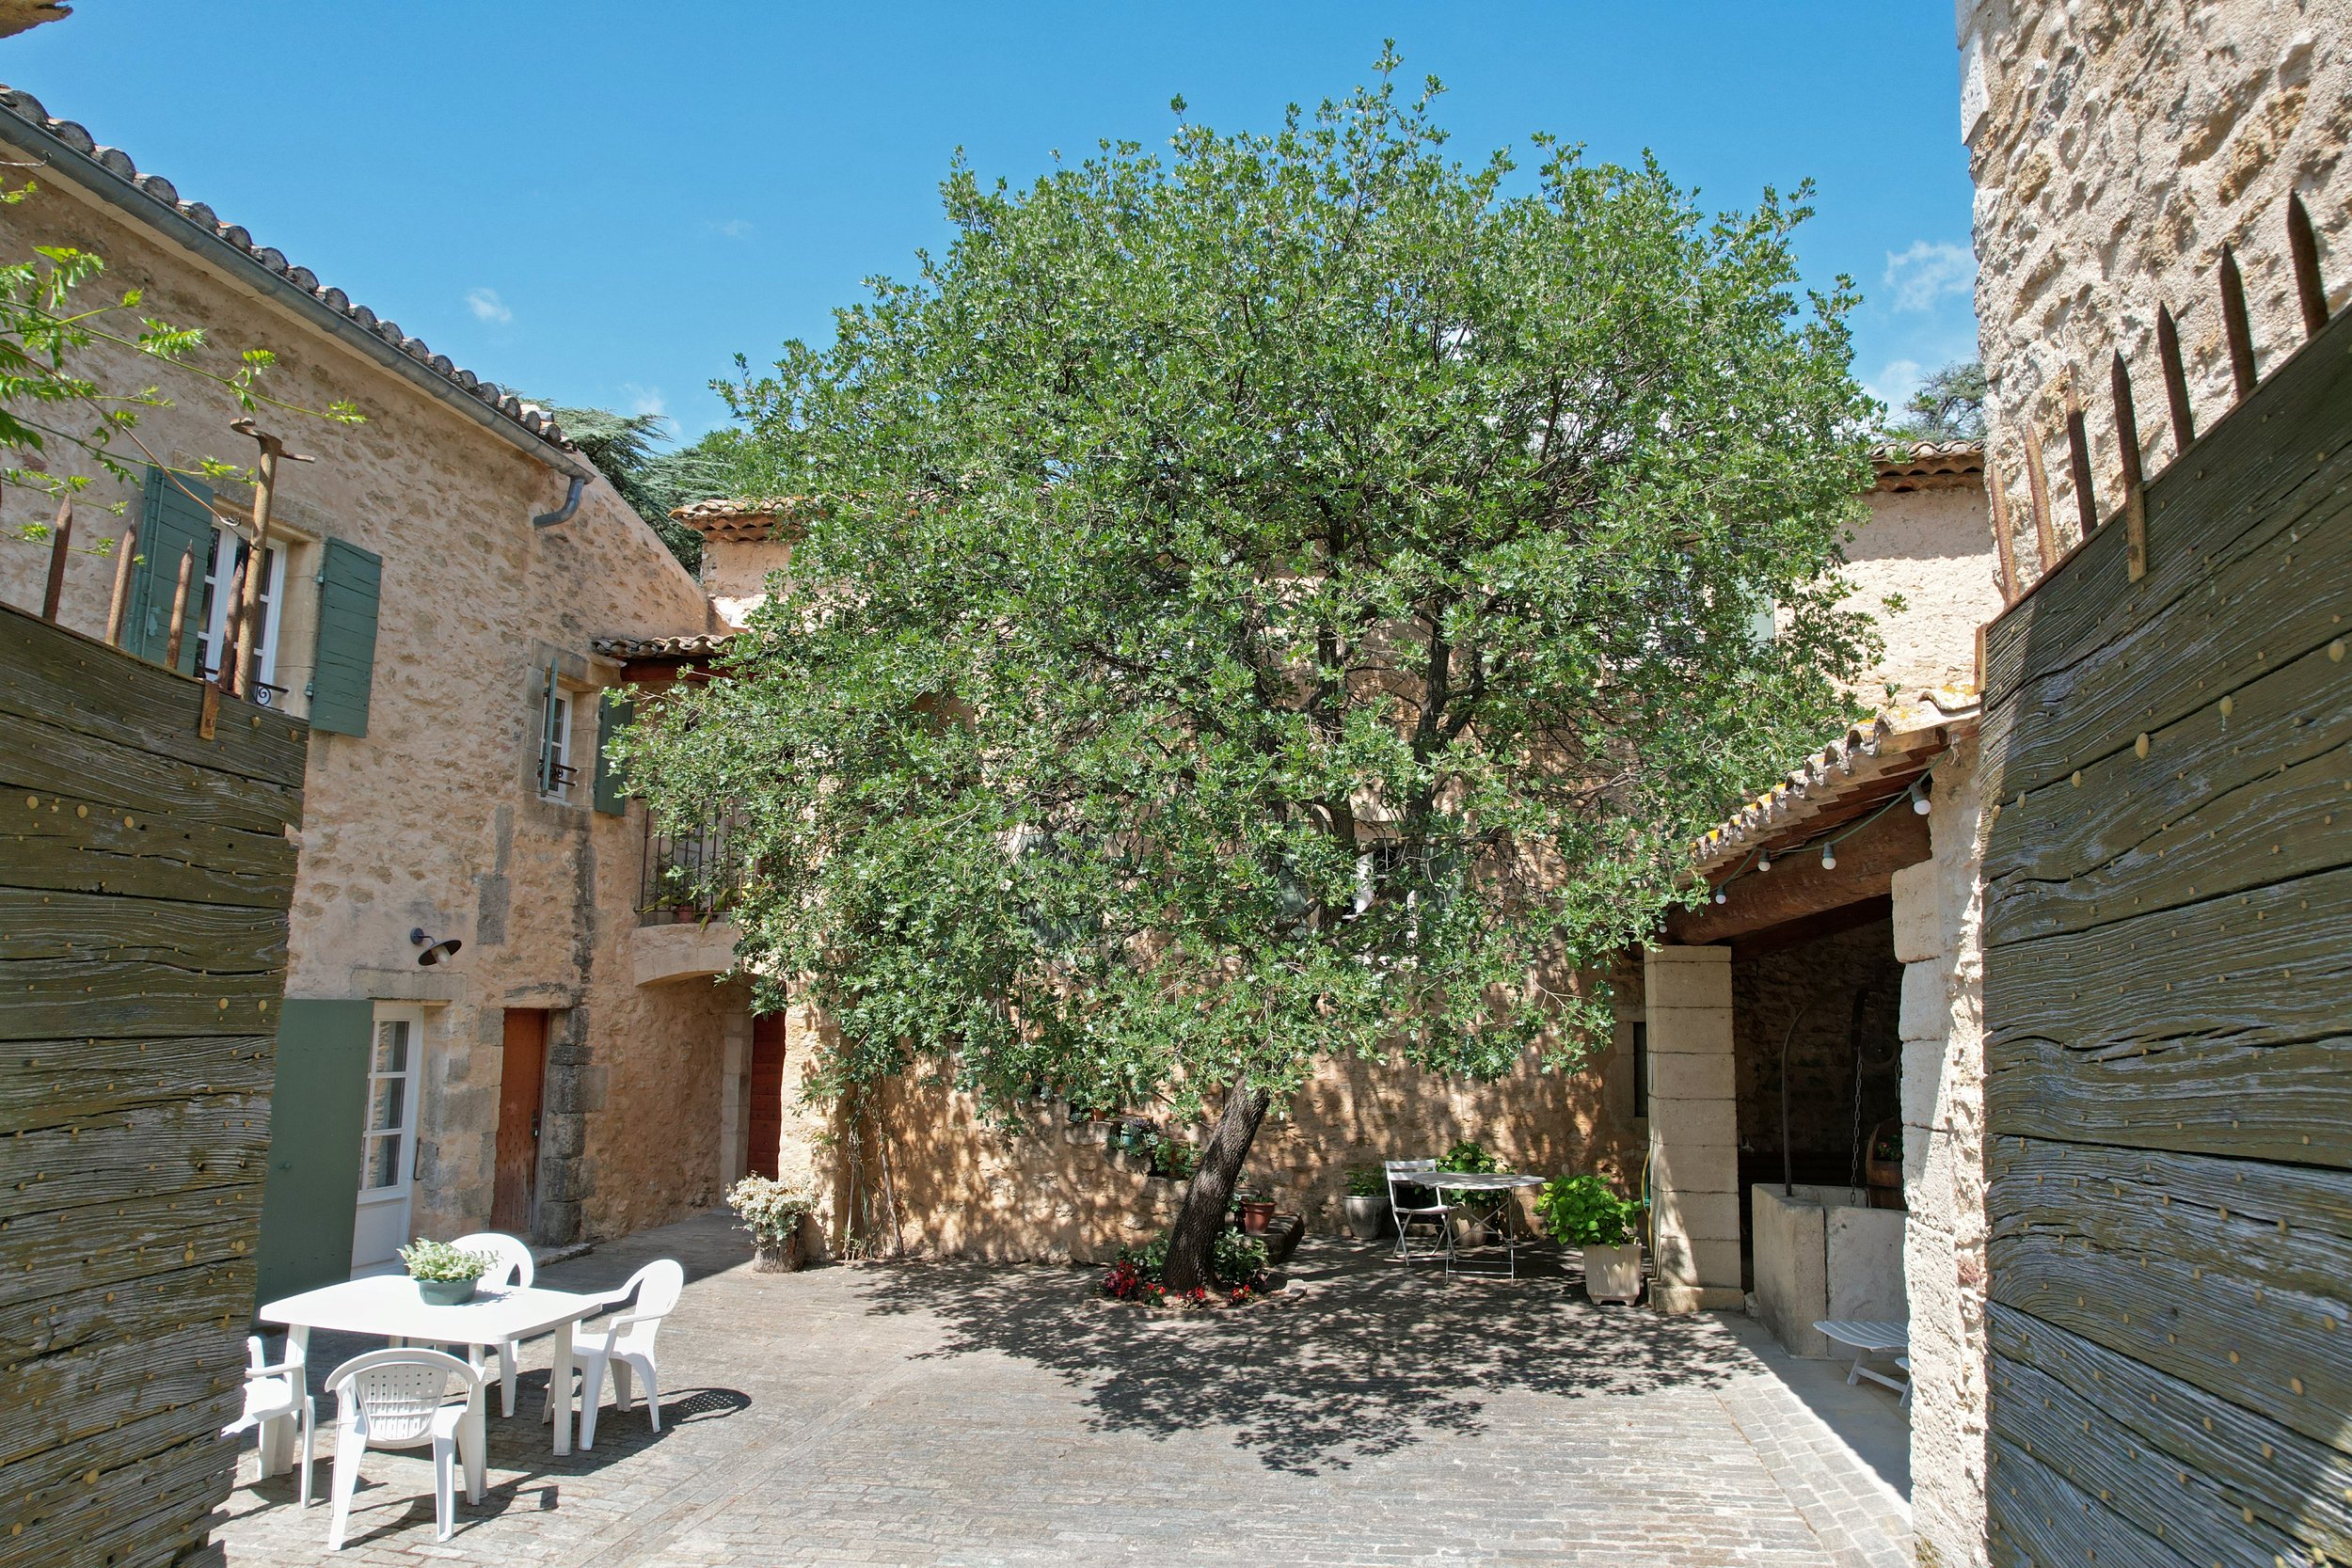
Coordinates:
1813	927
1798	886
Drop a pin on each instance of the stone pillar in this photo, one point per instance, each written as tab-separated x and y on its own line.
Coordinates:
1938	909
1693	1129
735	1068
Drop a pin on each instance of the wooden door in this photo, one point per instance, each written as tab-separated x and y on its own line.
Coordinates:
519	1086
765	1124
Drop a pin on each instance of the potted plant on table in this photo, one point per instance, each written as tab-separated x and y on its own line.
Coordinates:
1474	1211
1586	1213
1367	1202
1253	1208
445	1275
773	1211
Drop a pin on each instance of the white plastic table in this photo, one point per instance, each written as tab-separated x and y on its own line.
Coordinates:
387	1307
1483	1182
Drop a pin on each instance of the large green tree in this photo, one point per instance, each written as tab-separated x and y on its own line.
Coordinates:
1290	597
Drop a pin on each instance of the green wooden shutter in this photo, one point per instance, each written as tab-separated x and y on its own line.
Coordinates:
613	714
350	581
313	1191
172	522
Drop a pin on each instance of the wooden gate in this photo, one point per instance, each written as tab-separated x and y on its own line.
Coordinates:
145	874
2168	1012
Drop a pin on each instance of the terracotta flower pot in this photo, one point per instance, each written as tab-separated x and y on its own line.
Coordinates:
1614	1273
1255	1217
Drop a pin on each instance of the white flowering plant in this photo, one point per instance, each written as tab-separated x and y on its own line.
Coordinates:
771	1211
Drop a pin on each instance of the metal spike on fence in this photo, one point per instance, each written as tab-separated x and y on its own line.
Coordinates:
2235	326
60	550
2079	463
2175	381
2037	492
179	610
2311	289
1998	495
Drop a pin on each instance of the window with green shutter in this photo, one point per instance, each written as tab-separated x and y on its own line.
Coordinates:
350	582
613	714
176	521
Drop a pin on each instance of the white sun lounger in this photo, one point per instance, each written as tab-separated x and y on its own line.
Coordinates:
1870	1338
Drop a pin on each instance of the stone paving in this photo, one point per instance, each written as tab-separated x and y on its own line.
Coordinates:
962	1414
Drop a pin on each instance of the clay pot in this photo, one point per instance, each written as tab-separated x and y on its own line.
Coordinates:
1256	1217
1614	1273
1367	1217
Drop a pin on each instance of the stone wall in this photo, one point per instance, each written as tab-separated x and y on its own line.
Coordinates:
1938	912
2117	145
433	818
1818	978
1930	547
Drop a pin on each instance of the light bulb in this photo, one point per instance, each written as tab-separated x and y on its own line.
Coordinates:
1919	794
1829	858
1763	862
1722	897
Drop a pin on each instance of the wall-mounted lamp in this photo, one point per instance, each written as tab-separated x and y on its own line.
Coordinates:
433	951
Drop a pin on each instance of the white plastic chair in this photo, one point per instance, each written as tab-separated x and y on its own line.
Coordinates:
274	1392
1437	1211
626	1347
399	1399
514	1268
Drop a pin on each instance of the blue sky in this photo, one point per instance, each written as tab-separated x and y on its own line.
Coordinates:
603	202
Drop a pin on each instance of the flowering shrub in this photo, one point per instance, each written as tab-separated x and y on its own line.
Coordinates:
771	1211
1238	1263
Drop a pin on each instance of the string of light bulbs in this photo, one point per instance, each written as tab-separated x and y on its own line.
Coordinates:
1760	861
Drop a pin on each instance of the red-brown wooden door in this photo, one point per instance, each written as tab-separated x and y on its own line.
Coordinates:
764	1125
519	1086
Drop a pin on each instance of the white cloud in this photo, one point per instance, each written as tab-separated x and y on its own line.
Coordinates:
645	400
733	228
1894	385
486	305
1928	271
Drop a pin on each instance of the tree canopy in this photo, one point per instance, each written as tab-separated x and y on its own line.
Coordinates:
1291	595
625	448
1948	407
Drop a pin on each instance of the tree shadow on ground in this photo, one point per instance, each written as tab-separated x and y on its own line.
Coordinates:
1357	1358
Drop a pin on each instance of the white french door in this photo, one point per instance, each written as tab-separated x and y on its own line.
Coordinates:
387	1150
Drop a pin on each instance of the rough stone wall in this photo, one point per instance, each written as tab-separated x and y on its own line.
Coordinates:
1058	1192
1932	548
2117	145
1938	936
433	818
734	575
1818	978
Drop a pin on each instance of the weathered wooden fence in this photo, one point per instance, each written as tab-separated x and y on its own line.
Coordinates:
144	882
2168	1009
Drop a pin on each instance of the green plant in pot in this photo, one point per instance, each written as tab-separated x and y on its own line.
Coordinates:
1253	1207
1367	1202
1586	1213
1474	1212
445	1275
773	1211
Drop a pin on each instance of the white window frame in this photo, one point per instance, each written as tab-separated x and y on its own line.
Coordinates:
411	1077
228	543
559	713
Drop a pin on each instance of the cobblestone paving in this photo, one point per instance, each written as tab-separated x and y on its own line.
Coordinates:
954	1415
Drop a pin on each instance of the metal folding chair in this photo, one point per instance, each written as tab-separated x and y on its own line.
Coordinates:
1429	1208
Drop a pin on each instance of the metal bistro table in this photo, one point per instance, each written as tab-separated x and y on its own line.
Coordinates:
387	1307
1486	1181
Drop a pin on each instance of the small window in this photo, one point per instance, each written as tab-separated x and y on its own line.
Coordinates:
556	773
232	551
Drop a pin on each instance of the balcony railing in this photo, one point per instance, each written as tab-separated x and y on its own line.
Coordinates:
692	871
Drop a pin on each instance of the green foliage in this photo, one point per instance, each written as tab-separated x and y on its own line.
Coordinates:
1585	1211
1284	599
1367	1181
1949	406
439	1260
1468	1155
623	448
53	405
1237	1259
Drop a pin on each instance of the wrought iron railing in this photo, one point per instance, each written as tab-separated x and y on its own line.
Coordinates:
692	871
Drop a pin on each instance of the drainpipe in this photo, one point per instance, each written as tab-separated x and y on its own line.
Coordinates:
563	513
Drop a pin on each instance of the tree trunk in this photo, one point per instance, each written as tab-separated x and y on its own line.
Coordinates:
1211	1191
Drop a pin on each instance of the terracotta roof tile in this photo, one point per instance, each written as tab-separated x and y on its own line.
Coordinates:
702	645
746	519
1929	464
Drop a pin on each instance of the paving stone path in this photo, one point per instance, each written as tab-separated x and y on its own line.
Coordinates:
962	1414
